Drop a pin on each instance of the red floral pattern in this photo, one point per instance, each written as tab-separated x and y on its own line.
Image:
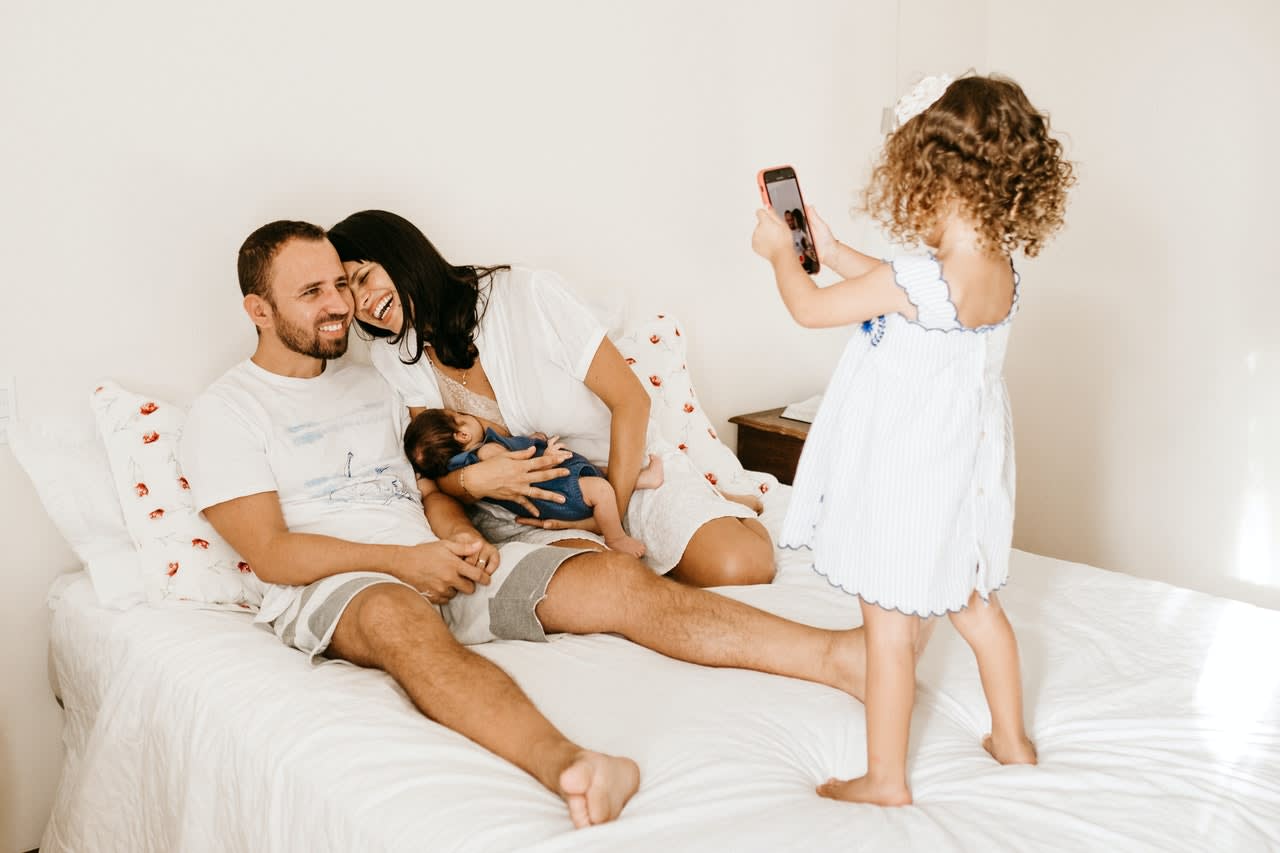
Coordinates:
141	489
156	513
147	408
150	437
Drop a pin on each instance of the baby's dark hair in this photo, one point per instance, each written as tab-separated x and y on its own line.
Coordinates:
430	444
984	146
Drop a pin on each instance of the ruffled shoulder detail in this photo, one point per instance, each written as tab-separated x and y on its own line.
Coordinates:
921	277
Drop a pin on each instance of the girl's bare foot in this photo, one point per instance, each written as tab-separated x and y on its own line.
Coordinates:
626	545
1012	750
652	475
864	790
596	787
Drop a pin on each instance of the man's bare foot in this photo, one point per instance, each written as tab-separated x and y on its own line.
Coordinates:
751	502
596	787
1012	750
626	544
863	790
651	475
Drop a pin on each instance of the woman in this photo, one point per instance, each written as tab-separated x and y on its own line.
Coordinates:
515	347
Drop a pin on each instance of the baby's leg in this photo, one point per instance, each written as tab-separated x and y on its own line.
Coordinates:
651	475
892	640
599	495
751	502
988	632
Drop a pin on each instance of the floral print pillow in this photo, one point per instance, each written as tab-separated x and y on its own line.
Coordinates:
655	349
181	557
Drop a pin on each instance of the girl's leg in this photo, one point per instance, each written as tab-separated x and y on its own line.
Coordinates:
988	632
892	639
599	495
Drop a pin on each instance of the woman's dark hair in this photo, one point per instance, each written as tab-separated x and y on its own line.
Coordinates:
429	443
440	302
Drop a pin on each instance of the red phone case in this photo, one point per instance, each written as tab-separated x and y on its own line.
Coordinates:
764	196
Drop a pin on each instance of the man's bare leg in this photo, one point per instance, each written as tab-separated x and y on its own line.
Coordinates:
611	592
392	628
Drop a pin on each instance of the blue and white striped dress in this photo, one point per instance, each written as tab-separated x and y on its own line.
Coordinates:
905	488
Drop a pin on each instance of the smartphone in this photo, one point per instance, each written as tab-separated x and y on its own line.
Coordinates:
781	191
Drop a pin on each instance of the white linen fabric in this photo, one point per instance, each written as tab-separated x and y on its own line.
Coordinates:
193	731
905	486
536	342
329	446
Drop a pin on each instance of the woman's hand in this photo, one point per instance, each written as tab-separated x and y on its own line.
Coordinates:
588	524
824	241
511	477
772	238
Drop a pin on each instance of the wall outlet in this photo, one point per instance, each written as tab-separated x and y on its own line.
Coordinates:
8	407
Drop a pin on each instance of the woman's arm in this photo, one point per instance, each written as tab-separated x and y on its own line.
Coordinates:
610	379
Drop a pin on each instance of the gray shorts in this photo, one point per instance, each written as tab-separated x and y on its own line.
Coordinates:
503	610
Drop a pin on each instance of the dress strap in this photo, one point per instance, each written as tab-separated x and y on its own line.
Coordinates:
921	277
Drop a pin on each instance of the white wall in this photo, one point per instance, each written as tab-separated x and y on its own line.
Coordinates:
616	143
1145	368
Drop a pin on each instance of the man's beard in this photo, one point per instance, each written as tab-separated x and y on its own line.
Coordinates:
296	339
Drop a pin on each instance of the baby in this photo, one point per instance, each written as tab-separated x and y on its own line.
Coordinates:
442	440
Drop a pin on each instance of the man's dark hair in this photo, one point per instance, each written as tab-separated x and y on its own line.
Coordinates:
429	443
260	249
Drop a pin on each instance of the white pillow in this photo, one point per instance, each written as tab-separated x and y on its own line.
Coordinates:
655	349
181	556
67	463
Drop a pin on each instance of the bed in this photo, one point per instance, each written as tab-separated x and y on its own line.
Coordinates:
1156	711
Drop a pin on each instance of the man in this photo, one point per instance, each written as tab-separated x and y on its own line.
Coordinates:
300	467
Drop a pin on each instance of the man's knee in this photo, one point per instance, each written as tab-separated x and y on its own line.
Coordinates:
382	617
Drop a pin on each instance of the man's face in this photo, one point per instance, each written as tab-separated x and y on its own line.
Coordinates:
311	302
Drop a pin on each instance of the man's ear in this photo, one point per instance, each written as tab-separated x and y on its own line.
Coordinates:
259	311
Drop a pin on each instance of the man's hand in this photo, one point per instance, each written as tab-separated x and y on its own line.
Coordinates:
487	559
511	477
440	570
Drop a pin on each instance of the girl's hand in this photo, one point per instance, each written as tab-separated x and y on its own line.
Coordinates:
511	477
823	240
772	238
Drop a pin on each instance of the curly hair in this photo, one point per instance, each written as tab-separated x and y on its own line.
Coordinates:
983	146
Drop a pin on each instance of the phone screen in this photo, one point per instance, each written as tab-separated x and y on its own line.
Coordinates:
784	197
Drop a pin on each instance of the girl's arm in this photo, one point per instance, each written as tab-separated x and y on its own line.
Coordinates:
853	300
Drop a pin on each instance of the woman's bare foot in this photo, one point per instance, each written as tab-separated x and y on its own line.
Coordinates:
651	475
626	544
596	787
864	790
751	502
1011	750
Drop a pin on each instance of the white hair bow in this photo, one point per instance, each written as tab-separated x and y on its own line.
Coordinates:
920	98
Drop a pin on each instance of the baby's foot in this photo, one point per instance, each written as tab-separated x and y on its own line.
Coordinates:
751	502
863	790
1011	750
596	787
651	475
626	545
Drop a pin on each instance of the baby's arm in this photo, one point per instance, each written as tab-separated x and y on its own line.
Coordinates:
489	450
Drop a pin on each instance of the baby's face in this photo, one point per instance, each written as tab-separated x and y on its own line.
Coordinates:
468	430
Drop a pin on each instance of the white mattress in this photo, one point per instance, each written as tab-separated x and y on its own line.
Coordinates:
1156	712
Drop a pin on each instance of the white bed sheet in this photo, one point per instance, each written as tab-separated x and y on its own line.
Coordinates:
1156	712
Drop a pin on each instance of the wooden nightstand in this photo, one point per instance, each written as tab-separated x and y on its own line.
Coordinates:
770	443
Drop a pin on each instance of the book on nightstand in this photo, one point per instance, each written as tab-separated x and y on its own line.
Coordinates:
805	410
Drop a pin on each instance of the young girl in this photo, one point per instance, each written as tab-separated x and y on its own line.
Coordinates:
905	487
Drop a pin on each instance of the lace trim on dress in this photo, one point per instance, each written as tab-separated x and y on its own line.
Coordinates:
460	398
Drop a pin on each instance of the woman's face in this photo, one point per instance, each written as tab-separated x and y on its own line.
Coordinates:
377	302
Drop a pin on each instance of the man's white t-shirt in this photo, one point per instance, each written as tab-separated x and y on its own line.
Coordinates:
331	447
